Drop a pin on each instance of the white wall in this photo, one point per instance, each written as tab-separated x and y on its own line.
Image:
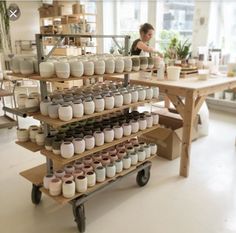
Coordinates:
28	24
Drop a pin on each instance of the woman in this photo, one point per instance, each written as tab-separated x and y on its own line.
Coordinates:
139	46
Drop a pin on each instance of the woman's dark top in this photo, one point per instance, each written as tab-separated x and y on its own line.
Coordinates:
134	50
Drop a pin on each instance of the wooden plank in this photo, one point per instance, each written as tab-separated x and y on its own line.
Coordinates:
63	161
7	122
178	103
58	123
30	146
4	93
198	103
62	200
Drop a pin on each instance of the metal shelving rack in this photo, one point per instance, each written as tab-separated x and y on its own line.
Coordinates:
35	175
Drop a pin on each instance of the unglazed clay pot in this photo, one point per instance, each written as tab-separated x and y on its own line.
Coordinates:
135	63
153	147
119	65
141	155
127	64
81	183
62	70
78	109
79	145
89	142
150	62
21	98
143	63
65	112
15	65
134	158
47	179
99	104
44	107
55	187
109	66
88	68
110	170
119	165
53	110
99	67
69	169
118	100
89	106
46	69
91	177
40	138
155	117
26	66
77	68
134	126
67	150
68	189
22	135
109	102
99	138
108	135
100	174
127	129
147	150
149	93
126	162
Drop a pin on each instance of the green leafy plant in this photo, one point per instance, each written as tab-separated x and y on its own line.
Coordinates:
171	50
183	50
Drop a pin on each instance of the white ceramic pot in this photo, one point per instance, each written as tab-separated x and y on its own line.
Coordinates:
91	177
173	73
149	93
79	145
76	68
118	132
22	135
127	98
100	174
147	150
68	189
118	100
21	98
55	187
99	138
149	120
67	150
40	138
44	107
78	109
65	112
99	104
67	177
141	155
69	169
62	70
59	173
88	68
142	123
134	96
26	66
88	160
99	67
127	64
78	164
81	184
153	147
134	158
108	135
119	65
89	142
109	66
89	106
134	126
35	95
141	94
110	170
15	65
126	162
53	110
155	92
127	129
47	179
31	103
109	102
33	134
46	69
119	165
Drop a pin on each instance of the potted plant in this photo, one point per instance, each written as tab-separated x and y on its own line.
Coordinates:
171	51
183	51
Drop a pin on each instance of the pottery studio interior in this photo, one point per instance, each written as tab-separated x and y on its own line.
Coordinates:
118	116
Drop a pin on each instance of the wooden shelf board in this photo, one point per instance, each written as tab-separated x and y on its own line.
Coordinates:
5	93
62	200
61	16
58	123
63	161
30	146
7	122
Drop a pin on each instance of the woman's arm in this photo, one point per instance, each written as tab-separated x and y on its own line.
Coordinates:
147	48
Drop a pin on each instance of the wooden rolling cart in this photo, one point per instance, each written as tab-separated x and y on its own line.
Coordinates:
35	175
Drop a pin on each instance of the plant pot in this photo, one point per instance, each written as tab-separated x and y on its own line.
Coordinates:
99	104
126	162
55	187
79	145
100	174
62	70
78	109
89	142
46	69
47	179
108	135
53	110
99	138
77	68
91	177
81	184
67	150
110	170
22	135
68	189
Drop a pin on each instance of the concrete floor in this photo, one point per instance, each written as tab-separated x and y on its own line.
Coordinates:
203	203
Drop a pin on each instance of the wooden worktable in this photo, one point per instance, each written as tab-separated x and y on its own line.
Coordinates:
194	92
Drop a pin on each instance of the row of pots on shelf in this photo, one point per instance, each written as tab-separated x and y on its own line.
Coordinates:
28	101
94	66
84	174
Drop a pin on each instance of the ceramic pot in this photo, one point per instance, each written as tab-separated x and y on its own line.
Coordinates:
40	138
110	170
65	112
119	165
99	67
109	66
48	142
15	65
99	138
109	102
91	177
78	172
81	184
88	68
136	147
99	104
141	94
46	69
44	107
77	68
127	64
60	173
89	142
33	132
134	141
130	149
134	158
62	70
21	98
89	106
153	147
127	129
121	154
47	179
26	67
127	98
96	164
141	155
118	100
22	135
79	145
68	189
134	96
155	92
119	65
78	109
78	165
149	120
149	93
126	162
31	103
88	160
67	177
67	150
55	187
143	63
150	62
53	110
108	135
69	169
135	63
100	174
113	157
142	144
147	150
155	117
97	157
142	124
87	168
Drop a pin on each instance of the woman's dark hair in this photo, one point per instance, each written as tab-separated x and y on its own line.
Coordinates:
145	28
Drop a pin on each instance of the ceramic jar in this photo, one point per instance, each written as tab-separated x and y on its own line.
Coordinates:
119	65
121	154
134	158
47	179
60	173
97	157
53	110
150	62
77	68
100	174
141	155
105	161
67	177
127	129
31	102
155	92
22	135
88	68
109	102
134	141
127	97
81	184
96	164
134	126
26	66
153	147
77	172
147	150
136	147
149	93
46	69
155	117
142	124
33	133
130	149
40	138
141	94
87	168
79	145
110	170
67	150
88	160
56	146
135	63
68	189
99	67
48	142
78	164
118	132
55	187
89	142
62	70
99	104
69	169
119	165
113	157
108	135
118	100
89	106
15	65
65	112
149	120
91	177
78	109
126	162
99	138
21	98
109	66
134	96
127	64
44	107
143	63
142	144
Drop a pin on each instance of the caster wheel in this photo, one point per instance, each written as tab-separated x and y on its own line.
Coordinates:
79	215
143	177
36	194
